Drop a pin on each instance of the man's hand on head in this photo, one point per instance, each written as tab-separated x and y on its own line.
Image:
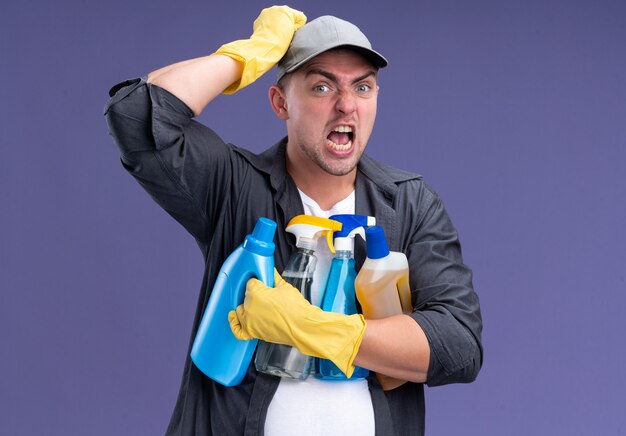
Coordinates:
272	33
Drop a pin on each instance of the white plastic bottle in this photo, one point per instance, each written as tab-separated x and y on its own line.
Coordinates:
382	286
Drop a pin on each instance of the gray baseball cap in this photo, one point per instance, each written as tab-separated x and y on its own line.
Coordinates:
322	34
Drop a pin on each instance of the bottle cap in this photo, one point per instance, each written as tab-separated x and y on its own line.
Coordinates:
264	230
376	242
344	244
261	240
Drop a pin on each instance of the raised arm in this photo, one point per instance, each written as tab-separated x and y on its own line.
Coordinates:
234	65
185	166
198	81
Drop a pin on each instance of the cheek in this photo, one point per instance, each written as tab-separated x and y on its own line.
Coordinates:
368	114
306	125
311	116
302	112
373	105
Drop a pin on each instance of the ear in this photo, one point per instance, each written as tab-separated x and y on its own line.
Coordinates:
278	102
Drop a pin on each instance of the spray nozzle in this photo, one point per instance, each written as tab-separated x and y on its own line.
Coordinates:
307	229
352	225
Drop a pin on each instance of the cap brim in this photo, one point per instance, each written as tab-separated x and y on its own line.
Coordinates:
375	58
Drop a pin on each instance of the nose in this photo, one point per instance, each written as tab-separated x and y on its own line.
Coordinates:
346	102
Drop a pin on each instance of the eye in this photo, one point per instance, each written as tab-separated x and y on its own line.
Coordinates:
321	88
363	87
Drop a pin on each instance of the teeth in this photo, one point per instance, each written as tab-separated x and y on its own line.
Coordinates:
343	129
339	147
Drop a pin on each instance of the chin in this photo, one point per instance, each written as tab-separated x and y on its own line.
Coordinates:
340	171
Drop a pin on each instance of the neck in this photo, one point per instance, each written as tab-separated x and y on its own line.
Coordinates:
326	189
326	196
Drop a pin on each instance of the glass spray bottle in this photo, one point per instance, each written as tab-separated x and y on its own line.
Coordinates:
283	360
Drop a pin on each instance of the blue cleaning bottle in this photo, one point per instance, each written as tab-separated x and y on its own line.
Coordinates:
216	351
339	295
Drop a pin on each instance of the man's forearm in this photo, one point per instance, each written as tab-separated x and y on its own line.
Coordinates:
395	346
198	81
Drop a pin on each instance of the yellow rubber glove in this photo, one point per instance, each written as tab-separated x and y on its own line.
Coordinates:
272	33
283	316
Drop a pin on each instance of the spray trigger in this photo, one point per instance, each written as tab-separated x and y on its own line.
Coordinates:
329	241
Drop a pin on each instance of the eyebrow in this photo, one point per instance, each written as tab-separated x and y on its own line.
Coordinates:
333	78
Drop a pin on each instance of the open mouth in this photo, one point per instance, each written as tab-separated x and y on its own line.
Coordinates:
340	138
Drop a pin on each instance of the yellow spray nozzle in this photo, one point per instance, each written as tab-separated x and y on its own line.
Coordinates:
313	227
329	241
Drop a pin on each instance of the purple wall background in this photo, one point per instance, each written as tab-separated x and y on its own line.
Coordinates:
513	110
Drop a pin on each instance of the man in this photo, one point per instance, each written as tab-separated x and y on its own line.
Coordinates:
327	96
